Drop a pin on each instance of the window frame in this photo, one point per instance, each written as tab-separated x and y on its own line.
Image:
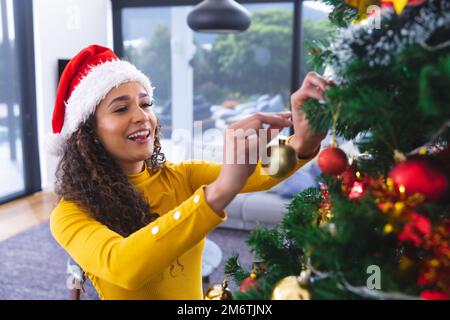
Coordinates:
24	40
118	5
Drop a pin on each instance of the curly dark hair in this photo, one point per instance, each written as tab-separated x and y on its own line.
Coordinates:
89	176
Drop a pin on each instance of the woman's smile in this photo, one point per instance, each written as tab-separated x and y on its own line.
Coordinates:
142	136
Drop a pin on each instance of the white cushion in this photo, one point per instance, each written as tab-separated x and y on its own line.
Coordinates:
264	207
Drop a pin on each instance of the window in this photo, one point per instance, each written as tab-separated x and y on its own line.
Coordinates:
19	172
239	74
315	26
206	81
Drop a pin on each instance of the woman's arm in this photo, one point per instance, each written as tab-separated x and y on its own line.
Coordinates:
258	181
204	172
132	261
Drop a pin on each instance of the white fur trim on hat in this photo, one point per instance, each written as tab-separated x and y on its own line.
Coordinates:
93	88
54	144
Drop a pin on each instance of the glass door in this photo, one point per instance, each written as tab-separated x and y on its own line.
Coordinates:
19	169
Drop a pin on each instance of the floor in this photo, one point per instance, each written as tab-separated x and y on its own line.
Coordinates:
22	214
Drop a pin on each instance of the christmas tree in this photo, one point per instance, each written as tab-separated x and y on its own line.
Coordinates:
379	225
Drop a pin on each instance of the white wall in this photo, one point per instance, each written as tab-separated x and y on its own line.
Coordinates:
61	29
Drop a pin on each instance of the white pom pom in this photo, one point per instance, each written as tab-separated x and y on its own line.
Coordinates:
54	144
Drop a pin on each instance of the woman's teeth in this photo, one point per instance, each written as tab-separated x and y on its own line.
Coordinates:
140	134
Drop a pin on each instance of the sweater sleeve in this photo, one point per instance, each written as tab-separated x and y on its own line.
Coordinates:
143	254
203	172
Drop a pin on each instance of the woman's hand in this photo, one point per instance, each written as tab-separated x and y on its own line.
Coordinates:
241	153
306	141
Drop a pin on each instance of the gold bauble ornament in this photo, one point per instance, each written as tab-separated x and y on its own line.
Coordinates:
282	159
291	288
219	292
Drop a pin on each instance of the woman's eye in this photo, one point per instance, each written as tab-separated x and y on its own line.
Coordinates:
147	105
121	109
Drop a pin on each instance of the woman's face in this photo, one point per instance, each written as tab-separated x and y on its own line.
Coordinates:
126	124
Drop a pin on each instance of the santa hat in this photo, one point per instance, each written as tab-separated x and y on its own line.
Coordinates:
84	83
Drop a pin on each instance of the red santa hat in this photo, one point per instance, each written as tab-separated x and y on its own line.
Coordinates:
84	83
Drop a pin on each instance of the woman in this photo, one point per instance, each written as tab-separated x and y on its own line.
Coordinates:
134	222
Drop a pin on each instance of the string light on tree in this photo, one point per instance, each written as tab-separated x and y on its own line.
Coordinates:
357	191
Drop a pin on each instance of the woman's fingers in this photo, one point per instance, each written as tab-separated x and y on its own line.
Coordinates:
313	92
316	80
246	137
262	121
313	87
284	114
281	119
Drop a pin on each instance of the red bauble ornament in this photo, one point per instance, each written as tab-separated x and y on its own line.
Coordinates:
420	174
248	284
332	161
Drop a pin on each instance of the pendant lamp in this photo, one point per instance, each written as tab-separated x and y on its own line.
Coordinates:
219	16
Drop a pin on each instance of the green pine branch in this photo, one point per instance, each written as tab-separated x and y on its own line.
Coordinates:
234	269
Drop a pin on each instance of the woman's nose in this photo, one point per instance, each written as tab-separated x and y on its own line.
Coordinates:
139	114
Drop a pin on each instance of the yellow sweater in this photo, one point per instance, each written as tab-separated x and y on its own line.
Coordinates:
144	264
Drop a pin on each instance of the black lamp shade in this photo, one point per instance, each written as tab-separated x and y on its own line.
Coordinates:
219	16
